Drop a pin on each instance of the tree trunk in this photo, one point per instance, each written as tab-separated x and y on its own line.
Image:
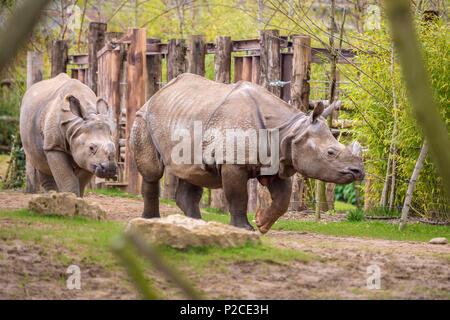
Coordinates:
412	184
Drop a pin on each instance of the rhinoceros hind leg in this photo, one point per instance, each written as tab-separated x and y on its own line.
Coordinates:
47	182
234	182
150	192
188	197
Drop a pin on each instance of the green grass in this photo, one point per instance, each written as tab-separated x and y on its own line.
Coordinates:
368	229
113	192
83	239
343	206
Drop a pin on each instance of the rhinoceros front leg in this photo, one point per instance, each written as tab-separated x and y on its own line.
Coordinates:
62	171
280	192
84	177
234	184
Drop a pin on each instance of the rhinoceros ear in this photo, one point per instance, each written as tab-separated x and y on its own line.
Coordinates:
318	109
71	103
102	107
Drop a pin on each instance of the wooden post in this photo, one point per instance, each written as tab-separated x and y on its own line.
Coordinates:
74	74
82	75
222	63
238	63
176	64
256	70
270	70
196	55
222	70
247	68
96	41
270	59
136	88
35	69
176	58
59	57
301	69
109	67
154	71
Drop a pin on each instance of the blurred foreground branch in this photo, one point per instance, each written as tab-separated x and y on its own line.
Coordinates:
18	28
122	247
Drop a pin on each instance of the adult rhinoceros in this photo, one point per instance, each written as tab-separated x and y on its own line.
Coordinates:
66	134
189	104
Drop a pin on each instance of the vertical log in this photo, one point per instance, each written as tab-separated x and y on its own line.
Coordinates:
222	70
301	70
96	41
176	65
270	70
74	74
35	70
300	89
59	57
196	55
238	63
109	67
270	59
247	68
82	75
222	63
34	67
154	72
286	76
256	70
136	88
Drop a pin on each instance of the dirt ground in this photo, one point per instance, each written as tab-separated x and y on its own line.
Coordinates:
409	270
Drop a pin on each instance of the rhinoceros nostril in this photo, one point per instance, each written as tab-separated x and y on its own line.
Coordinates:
355	171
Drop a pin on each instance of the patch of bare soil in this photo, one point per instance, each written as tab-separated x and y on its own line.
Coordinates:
408	270
29	271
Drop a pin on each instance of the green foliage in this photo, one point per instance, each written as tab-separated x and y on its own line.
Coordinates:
345	193
372	105
10	99
355	215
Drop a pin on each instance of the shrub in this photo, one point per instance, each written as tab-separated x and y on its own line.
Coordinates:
355	215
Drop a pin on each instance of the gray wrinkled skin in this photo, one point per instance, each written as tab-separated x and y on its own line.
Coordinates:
306	146
66	134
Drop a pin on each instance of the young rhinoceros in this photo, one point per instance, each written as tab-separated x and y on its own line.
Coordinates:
190	103
66	134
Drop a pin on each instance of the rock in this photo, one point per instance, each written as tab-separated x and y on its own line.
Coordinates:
65	204
438	241
180	232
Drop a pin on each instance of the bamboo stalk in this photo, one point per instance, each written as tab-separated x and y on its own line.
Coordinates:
412	185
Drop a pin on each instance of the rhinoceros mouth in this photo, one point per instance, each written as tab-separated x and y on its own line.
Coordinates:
354	175
102	172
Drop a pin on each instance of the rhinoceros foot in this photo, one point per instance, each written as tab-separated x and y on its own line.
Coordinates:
264	219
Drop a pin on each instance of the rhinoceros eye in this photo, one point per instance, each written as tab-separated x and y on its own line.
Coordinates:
93	148
331	152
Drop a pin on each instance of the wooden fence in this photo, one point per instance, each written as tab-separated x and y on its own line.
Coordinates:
127	69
